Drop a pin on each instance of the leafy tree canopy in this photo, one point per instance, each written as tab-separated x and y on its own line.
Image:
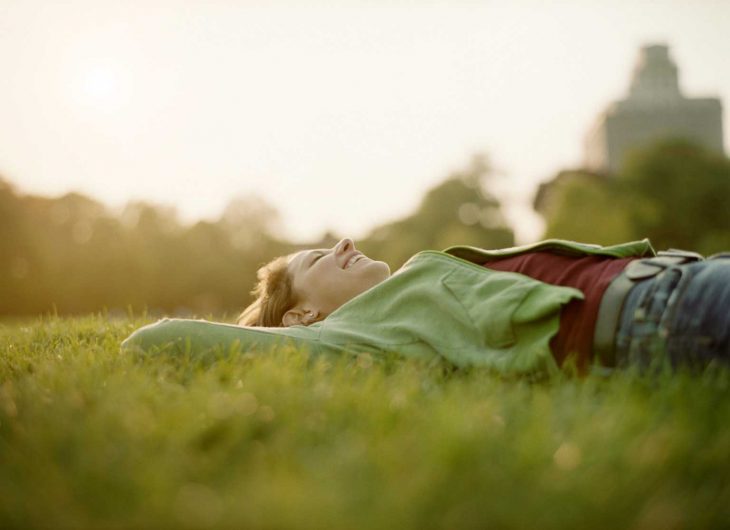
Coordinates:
673	192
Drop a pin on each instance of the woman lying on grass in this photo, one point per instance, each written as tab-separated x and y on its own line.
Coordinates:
518	311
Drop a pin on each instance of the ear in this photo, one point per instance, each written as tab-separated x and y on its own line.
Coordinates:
297	316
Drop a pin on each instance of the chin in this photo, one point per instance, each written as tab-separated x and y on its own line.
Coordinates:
380	269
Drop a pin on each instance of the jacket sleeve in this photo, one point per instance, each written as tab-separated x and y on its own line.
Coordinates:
202	338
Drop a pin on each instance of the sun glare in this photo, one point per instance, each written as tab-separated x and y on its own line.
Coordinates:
101	88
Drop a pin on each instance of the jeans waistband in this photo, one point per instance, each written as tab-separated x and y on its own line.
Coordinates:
614	298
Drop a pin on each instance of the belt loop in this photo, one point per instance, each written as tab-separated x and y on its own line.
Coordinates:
609	312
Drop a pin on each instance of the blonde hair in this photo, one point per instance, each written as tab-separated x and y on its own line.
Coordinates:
274	296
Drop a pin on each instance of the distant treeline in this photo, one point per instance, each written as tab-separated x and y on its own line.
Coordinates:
71	255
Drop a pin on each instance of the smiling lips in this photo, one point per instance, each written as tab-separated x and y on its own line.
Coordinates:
353	259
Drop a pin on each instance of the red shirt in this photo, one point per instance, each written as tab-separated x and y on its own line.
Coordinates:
590	274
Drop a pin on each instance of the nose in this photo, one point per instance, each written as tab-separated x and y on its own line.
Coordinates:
344	246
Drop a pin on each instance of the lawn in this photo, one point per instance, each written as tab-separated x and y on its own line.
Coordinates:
91	438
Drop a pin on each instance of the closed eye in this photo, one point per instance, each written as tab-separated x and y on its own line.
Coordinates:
316	257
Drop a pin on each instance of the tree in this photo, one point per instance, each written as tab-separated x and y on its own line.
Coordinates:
582	206
673	192
250	220
678	194
459	211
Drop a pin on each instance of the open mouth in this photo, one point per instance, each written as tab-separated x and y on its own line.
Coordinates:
353	259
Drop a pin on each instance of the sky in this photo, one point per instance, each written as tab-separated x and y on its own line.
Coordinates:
340	114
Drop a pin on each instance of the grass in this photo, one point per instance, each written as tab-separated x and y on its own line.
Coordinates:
90	438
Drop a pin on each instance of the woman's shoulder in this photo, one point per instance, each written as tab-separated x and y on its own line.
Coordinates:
640	248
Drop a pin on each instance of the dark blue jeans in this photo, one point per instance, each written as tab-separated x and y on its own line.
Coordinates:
680	317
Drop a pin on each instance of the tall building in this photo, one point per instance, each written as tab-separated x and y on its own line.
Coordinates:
655	108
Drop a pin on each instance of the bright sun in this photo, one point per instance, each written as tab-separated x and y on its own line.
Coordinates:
101	87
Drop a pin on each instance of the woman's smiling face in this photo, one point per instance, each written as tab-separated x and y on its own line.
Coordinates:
324	279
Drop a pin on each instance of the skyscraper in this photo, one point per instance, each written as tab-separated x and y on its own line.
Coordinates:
654	109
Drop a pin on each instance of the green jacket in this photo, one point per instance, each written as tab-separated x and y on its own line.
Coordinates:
438	305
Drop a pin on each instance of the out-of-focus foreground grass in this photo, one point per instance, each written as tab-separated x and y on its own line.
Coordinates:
90	438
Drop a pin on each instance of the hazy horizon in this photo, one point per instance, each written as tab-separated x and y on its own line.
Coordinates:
340	117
